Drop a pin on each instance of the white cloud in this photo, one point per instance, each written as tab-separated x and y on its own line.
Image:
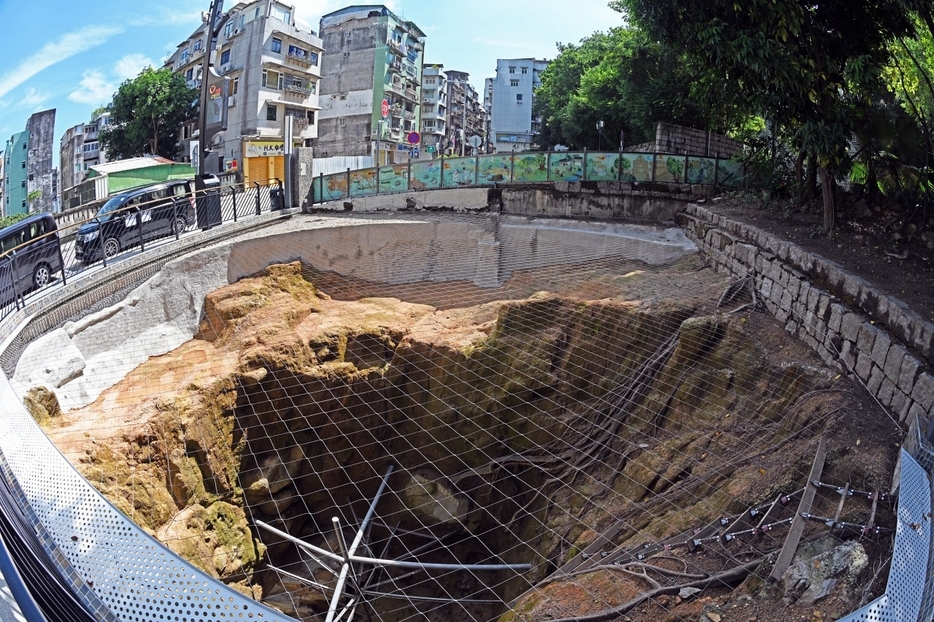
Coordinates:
34	98
130	65
55	52
94	89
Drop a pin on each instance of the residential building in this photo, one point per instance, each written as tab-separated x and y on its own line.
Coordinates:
79	150
466	114
434	110
27	168
271	65
512	126
372	56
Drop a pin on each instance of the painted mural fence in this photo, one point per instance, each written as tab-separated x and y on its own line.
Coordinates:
529	167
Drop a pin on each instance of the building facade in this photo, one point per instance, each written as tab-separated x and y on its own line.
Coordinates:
466	116
512	125
79	150
371	56
30	182
434	110
272	68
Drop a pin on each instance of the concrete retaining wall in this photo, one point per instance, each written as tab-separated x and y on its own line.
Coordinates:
845	320
601	200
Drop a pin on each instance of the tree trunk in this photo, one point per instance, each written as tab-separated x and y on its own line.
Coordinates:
799	177
826	186
810	181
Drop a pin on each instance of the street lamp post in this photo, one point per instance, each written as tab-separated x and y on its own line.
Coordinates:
599	134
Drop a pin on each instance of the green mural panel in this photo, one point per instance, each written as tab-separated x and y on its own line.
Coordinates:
495	169
602	166
426	175
701	170
330	188
566	166
460	172
530	167
636	167
394	178
669	168
363	182
729	173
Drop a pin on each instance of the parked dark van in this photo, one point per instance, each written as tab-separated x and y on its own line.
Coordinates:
30	256
160	209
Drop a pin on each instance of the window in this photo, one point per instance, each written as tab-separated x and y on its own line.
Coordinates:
430	124
429	93
270	112
225	57
341	121
297	52
234	86
277	45
429	80
198	44
525	70
428	108
512	70
280	13
242	19
519	98
184	58
272	80
311	116
513	83
313	57
23	184
228	29
346	55
189	73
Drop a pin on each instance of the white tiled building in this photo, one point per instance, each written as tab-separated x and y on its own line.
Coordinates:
273	65
512	125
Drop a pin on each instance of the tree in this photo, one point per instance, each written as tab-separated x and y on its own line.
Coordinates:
627	81
147	114
796	63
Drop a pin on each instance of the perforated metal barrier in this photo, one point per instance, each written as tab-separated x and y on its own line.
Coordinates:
904	591
115	568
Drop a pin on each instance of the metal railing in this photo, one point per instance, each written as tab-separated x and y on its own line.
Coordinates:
129	231
528	168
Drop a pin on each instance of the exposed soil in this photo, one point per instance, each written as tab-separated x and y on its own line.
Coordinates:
888	247
729	421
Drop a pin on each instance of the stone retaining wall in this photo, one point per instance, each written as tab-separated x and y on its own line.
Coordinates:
848	322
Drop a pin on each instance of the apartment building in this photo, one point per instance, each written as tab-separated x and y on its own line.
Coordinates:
80	149
434	110
272	67
512	125
30	182
466	115
372	56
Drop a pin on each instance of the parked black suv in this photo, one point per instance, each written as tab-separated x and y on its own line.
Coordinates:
29	256
160	209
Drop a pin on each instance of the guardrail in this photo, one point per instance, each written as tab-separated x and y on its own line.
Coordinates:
529	167
139	226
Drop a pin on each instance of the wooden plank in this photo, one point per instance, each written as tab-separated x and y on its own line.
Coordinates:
843	495
872	514
790	547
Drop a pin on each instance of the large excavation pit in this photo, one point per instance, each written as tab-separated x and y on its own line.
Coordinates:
508	443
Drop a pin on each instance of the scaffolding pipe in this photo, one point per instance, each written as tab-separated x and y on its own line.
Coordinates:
391	563
348	552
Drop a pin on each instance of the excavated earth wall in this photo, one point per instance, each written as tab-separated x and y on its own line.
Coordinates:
840	316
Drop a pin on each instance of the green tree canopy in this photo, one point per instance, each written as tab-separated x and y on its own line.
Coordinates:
629	82
798	64
147	114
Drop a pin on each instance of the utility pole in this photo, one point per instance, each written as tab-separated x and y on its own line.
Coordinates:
212	29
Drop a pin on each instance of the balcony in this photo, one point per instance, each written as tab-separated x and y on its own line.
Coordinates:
395	66
395	46
408	115
300	60
410	92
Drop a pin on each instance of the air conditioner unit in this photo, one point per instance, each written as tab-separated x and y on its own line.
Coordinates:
237	31
232	101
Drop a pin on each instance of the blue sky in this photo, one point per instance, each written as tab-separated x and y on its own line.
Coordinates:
73	55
